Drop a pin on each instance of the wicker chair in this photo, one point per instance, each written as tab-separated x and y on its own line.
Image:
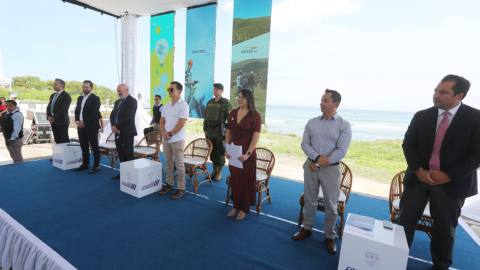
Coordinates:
149	146
265	164
425	224
345	189
108	150
195	158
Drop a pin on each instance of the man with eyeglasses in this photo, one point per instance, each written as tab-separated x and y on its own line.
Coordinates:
157	113
216	113
172	126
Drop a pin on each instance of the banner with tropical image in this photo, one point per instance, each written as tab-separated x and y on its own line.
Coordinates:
200	57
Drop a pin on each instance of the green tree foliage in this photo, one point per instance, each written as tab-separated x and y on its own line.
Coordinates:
33	88
245	29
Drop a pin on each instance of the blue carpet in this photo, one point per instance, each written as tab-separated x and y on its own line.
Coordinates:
93	225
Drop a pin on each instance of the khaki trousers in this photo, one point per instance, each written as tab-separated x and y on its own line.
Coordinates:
329	179
156	127
15	150
171	152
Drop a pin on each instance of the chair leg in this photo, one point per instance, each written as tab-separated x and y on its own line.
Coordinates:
228	194
340	229
195	186
268	194
259	204
300	218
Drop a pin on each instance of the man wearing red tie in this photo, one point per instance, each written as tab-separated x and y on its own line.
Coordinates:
442	149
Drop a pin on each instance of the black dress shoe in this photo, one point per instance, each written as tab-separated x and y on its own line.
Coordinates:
94	170
82	167
116	176
301	234
331	246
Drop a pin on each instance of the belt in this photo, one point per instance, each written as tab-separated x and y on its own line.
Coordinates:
333	164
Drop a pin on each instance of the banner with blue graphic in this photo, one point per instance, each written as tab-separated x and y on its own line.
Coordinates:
161	55
200	58
251	45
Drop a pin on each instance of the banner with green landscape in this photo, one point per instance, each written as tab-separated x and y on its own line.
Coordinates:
250	51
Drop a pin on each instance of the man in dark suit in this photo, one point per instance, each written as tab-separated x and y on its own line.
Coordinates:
122	120
442	149
57	112
86	118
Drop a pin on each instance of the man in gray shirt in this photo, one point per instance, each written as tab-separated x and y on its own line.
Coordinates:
325	142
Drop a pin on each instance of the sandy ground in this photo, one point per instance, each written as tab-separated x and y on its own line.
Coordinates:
285	167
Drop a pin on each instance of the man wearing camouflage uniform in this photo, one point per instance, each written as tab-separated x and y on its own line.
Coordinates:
217	112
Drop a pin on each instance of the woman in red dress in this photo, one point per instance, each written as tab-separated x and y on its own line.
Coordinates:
3	108
244	124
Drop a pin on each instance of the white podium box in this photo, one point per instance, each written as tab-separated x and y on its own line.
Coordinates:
386	249
140	177
66	157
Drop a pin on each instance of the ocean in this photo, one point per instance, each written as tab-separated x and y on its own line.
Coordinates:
366	125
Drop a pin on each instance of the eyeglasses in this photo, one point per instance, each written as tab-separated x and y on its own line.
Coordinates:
171	89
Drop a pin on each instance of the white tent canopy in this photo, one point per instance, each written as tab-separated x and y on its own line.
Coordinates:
138	7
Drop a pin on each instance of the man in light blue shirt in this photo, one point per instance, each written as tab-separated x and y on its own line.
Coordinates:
12	128
325	142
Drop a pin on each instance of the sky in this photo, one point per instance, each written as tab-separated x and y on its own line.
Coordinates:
379	54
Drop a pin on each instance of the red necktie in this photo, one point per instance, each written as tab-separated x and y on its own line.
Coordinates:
442	129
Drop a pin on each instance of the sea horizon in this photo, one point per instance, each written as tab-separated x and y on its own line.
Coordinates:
367	125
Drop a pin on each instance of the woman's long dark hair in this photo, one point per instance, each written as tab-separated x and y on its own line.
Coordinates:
251	101
2	100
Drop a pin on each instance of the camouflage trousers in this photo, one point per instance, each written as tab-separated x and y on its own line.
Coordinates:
218	152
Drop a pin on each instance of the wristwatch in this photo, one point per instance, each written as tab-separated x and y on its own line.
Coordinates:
249	153
317	165
170	134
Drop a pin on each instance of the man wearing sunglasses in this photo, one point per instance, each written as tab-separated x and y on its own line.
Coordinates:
157	113
172	126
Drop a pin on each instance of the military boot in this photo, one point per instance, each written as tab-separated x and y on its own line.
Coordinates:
218	175
212	175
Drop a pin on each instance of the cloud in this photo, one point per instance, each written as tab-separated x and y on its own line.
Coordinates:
228	6
453	20
289	12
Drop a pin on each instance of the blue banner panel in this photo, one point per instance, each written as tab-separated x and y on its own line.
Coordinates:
251	46
200	58
161	56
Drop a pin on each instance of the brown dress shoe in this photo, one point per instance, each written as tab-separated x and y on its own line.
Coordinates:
301	234
331	246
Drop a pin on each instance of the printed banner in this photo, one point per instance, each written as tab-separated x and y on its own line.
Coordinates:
251	44
200	58
161	56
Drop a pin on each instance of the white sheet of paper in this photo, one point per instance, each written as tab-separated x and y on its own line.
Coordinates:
235	151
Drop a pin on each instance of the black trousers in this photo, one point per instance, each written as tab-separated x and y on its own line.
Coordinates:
60	133
87	137
124	147
445	212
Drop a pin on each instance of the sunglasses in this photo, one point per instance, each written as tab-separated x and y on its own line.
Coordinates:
171	89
